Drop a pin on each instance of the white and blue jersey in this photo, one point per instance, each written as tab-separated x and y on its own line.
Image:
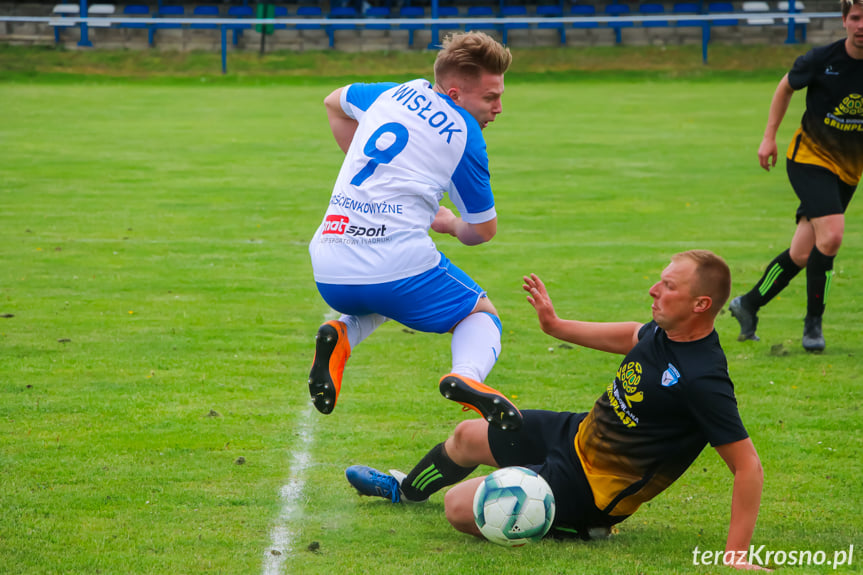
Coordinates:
411	146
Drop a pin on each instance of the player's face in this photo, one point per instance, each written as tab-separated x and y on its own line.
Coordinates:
853	24
673	302
481	97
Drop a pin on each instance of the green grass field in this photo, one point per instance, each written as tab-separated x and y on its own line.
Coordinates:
158	314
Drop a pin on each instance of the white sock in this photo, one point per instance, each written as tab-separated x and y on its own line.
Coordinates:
361	326
475	346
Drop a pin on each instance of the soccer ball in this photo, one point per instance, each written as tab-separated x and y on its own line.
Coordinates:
513	506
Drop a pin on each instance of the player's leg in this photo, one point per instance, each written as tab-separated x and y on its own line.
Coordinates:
474	442
778	274
445	464
819	273
819	195
449	462
458	506
476	341
445	299
476	345
824	198
544	444
802	243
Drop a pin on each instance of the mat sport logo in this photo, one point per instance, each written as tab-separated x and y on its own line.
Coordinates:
341	225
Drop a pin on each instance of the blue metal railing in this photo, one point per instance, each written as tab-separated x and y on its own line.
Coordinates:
225	24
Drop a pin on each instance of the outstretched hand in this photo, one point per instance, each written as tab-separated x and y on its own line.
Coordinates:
540	300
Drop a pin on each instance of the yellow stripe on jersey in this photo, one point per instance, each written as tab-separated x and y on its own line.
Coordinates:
804	150
610	474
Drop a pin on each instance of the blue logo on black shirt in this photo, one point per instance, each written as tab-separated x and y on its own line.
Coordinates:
670	376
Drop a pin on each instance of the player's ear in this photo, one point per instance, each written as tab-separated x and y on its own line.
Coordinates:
702	304
458	84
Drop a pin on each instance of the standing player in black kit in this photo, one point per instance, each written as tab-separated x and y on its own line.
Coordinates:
825	162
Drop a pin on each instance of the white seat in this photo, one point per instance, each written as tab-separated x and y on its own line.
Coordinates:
798	7
61	12
66	9
100	11
757	6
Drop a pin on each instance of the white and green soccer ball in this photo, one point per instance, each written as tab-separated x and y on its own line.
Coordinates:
513	506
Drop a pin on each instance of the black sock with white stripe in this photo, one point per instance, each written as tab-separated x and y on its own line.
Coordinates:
434	472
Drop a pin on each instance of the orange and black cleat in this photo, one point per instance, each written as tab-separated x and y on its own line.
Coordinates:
488	402
332	350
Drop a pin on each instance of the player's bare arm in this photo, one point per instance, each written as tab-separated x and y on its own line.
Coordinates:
767	151
614	337
342	125
446	222
742	459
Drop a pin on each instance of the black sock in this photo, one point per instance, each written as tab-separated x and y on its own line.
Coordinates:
776	277
819	273
434	472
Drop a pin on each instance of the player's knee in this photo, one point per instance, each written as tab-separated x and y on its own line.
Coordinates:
465	438
800	258
828	233
496	319
484	305
459	511
829	244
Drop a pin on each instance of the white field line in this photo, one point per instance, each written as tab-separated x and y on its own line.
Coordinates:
283	535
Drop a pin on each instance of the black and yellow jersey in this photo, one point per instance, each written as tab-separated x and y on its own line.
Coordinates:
667	401
831	132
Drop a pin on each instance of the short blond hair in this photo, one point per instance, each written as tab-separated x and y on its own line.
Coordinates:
712	277
469	54
845	5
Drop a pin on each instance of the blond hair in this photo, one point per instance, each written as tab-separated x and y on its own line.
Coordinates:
468	55
712	276
845	5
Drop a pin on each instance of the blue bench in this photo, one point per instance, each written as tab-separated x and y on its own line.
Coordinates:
204	12
552	11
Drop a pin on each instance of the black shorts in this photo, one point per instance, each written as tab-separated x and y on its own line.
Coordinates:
821	192
545	444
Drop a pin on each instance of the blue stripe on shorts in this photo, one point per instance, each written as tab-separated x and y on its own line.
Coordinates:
433	301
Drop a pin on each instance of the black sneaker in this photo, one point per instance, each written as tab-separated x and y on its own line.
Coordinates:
332	350
487	401
813	337
747	319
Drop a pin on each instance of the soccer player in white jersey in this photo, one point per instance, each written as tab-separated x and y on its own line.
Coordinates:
406	145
